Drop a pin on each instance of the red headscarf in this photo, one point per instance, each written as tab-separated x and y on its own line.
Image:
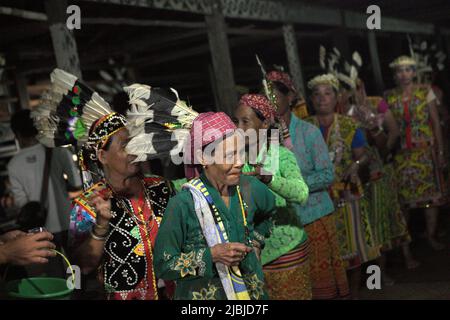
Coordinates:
260	103
282	77
217	125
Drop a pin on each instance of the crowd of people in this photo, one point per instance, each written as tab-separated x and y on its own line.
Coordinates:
236	227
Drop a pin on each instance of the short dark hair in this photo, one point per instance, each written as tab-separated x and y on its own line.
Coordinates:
281	87
22	124
120	103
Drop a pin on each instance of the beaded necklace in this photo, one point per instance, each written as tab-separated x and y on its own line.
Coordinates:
141	220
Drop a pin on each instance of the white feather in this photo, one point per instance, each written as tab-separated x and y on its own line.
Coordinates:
357	58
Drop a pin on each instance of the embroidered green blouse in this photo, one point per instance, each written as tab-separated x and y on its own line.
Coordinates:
288	187
181	251
287	182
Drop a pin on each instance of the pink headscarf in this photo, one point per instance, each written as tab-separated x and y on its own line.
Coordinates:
260	103
282	77
219	124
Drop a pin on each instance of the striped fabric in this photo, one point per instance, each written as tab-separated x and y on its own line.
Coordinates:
289	277
291	259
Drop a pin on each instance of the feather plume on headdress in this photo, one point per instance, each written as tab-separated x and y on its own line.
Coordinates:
346	72
427	58
158	122
67	111
267	85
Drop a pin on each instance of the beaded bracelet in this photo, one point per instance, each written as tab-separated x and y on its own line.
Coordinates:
101	227
96	237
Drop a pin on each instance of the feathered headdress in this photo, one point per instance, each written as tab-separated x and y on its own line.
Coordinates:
115	79
158	122
67	111
328	78
427	58
333	62
270	94
65	115
267	84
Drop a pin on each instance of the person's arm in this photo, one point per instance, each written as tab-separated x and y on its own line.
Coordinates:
393	131
289	184
359	154
437	131
322	175
88	238
170	261
266	209
27	249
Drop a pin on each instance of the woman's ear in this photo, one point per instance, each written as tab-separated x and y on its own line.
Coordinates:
200	157
101	156
265	124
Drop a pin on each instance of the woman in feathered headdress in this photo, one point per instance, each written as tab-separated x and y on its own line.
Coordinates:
373	114
115	221
347	149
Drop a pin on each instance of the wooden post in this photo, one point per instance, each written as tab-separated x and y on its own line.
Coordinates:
21	84
371	37
221	59
64	43
295	70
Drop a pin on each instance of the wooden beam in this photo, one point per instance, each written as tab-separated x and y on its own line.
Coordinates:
375	60
23	14
280	11
143	23
64	43
221	59
290	42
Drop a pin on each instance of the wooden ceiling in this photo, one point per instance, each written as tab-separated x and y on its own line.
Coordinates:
172	48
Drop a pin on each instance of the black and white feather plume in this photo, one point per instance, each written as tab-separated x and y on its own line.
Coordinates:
114	79
346	71
158	122
67	111
428	58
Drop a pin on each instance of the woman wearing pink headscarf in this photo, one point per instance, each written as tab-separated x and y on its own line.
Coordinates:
213	229
285	256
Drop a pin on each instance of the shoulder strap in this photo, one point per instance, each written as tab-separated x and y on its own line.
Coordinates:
46	176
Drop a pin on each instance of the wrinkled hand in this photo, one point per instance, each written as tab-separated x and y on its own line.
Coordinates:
264	178
11	235
257	249
102	208
29	249
230	254
351	172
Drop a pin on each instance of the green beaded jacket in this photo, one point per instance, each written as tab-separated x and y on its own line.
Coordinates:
182	254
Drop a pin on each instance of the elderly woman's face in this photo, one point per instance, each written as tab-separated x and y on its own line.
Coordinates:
324	99
245	118
226	163
405	75
116	160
